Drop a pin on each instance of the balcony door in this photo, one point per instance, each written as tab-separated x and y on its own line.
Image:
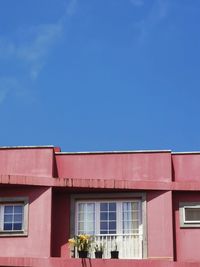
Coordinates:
116	224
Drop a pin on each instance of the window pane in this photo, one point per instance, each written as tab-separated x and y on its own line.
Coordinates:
108	218
112	206
90	216
112	225
192	214
103	216
81	216
112	216
86	218
127	216
89	227
18	218
125	225
81	226
7	226
90	207
135	205
135	225
8	209
8	218
130	217
81	207
125	206
17	226
104	206
18	209
130	206
104	225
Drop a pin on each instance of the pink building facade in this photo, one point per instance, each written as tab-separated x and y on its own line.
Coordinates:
147	203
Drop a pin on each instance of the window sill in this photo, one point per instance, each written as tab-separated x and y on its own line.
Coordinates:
13	233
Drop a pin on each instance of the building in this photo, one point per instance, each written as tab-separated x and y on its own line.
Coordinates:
145	202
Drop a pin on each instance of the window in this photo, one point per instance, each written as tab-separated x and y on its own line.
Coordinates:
189	214
113	222
13	216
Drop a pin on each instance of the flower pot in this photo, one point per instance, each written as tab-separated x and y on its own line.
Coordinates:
98	254
82	254
114	254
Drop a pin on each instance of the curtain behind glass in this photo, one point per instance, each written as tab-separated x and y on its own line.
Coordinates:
86	218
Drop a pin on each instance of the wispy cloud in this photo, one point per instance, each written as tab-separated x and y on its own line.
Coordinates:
33	50
30	54
157	13
35	53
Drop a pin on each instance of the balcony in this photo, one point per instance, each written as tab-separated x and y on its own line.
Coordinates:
128	245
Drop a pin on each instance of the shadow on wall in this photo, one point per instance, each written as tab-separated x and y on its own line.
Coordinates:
60	224
154	194
86	262
31	192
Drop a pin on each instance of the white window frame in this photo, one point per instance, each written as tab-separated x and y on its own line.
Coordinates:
182	210
112	197
14	201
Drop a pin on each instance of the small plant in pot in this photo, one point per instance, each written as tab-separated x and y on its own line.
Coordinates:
98	251
82	243
114	253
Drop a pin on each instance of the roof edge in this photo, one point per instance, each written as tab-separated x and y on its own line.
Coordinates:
26	147
113	152
186	153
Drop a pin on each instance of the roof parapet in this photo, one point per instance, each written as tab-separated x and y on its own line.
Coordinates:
114	152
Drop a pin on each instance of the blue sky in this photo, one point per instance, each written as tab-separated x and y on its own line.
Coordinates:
100	74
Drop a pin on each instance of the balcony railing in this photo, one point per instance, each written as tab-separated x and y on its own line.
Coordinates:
128	245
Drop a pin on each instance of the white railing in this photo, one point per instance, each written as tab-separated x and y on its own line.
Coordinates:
128	245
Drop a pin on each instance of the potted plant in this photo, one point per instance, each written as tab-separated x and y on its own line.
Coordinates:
82	243
98	251
114	253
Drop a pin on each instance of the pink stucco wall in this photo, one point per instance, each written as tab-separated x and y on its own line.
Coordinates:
28	161
186	167
57	262
37	243
187	239
159	225
132	166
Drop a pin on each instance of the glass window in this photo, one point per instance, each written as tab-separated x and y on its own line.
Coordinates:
13	217
189	214
192	214
86	218
108	218
130	217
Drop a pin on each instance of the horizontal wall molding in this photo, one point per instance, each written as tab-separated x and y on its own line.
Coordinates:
98	183
57	262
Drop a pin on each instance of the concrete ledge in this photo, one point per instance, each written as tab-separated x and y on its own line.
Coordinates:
58	262
97	183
